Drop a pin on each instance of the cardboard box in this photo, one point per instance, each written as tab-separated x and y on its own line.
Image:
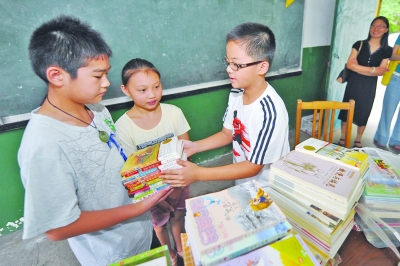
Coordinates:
306	124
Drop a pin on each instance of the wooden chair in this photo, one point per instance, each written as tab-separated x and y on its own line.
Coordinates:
328	120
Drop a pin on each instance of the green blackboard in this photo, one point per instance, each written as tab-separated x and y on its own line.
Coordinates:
184	39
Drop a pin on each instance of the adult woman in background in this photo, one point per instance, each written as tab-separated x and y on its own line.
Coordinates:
390	102
366	64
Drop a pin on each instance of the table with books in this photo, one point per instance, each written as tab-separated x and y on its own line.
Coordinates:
317	188
306	216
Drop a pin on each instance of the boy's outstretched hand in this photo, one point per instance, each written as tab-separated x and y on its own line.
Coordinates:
181	177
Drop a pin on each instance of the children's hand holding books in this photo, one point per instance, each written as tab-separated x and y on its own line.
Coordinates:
158	197
183	176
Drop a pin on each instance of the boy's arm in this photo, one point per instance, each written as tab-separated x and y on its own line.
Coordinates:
222	138
219	139
191	173
91	221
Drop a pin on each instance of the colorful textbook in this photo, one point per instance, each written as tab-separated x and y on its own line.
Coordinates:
247	244
314	199
384	178
141	171
216	220
290	250
353	159
330	179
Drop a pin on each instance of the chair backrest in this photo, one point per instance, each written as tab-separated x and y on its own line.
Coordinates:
325	110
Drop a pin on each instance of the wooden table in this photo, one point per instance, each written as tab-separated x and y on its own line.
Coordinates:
356	250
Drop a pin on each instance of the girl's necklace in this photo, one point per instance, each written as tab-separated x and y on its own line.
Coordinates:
103	136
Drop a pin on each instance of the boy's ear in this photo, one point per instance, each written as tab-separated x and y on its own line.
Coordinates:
264	67
125	90
54	76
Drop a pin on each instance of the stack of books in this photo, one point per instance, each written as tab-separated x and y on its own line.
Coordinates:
382	188
141	171
317	187
223	225
290	250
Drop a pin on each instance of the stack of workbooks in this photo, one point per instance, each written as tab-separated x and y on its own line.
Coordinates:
290	250
318	193
354	159
223	225
382	188
141	171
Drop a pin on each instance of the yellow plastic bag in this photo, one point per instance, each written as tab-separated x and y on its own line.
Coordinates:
392	67
388	74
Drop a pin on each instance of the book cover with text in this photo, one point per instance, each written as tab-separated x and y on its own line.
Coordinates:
290	250
247	244
221	218
141	171
328	204
384	178
335	153
329	178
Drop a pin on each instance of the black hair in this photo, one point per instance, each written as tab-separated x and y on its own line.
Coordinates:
66	42
135	65
385	36
258	40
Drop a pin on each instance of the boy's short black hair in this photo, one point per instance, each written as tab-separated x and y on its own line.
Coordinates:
65	42
257	39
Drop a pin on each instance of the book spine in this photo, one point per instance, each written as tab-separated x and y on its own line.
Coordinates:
172	165
141	196
295	186
319	211
321	256
310	236
339	210
247	244
149	172
290	207
298	183
328	158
